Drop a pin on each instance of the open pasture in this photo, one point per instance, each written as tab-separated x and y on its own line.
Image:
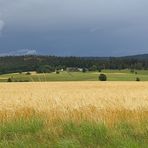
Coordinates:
112	75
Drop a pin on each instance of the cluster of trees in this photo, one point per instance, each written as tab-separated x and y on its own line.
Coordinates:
45	64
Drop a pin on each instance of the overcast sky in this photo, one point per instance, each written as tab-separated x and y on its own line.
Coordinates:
74	27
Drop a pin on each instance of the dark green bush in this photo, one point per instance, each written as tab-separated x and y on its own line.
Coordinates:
9	80
102	77
132	70
84	70
99	70
137	79
57	72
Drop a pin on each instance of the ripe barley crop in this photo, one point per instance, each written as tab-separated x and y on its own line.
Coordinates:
94	101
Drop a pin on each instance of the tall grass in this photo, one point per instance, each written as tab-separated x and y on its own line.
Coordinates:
38	132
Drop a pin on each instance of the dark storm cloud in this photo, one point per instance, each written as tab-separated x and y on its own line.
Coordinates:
74	27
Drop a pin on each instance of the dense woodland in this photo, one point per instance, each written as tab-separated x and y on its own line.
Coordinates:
10	64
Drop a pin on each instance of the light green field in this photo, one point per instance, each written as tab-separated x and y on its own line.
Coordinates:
112	75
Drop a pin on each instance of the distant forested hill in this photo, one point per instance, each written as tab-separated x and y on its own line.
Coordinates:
138	57
10	64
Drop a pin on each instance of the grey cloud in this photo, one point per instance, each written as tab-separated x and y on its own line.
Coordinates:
92	27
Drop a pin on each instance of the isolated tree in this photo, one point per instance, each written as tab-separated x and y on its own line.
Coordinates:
84	70
9	80
99	70
102	77
137	79
57	72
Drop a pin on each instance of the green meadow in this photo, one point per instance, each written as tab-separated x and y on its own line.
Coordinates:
112	75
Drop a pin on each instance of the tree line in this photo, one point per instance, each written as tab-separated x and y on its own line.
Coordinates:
11	64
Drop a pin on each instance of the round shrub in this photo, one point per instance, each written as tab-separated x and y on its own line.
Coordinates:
137	79
99	70
102	77
84	70
9	80
57	72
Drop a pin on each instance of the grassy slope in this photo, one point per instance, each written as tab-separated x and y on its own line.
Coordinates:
34	133
113	75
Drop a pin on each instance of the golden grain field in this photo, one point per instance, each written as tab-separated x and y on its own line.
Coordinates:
75	100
